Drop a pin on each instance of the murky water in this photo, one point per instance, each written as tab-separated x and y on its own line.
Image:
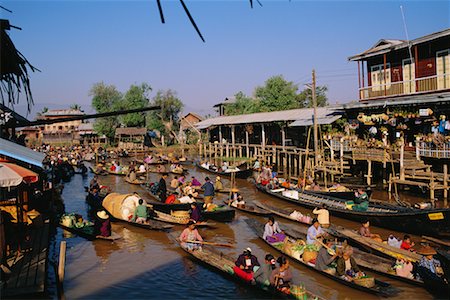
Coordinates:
148	264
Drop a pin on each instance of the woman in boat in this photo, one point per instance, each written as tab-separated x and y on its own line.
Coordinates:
346	266
262	276
161	169
174	182
245	265
236	198
142	169
272	231
132	174
218	185
140	213
281	276
162	188
195	182
94	184
323	215
325	257
314	232
364	231
102	224
361	202
196	213
189	235
429	268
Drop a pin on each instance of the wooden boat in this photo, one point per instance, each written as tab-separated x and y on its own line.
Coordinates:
381	288
346	195
431	222
248	209
136	181
284	213
102	173
378	247
113	205
122	173
170	218
243	174
87	232
224	265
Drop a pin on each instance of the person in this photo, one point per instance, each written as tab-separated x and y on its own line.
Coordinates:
132	174
429	267
281	276
171	198
174	182
218	186
262	276
208	189
181	179
373	131
407	244
142	169
315	186
162	188
404	268
364	230
346	266
196	214
102	224
161	169
195	182
236	198
323	215
140	213
272	231
325	258
118	168
256	165
94	184
189	235
361	202
314	232
245	265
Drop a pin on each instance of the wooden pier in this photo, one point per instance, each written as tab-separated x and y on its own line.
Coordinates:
29	268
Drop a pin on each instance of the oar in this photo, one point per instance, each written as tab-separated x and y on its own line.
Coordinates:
328	248
212	244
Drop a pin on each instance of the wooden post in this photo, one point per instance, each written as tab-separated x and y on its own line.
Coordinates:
247	146
62	261
384	68
390	187
283	137
445	181
263	136
402	160
416	67
215	154
432	187
315	132
417	150
369	172
341	154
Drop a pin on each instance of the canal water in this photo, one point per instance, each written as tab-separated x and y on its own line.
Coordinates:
148	264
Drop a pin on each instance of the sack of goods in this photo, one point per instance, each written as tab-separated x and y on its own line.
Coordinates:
296	215
366	281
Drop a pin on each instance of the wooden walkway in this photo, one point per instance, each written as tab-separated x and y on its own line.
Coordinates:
30	268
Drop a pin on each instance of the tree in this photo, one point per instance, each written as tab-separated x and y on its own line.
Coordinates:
135	97
43	111
165	120
105	98
75	107
277	94
305	97
242	105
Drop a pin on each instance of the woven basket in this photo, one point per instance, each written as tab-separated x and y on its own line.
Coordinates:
309	255
368	282
180	213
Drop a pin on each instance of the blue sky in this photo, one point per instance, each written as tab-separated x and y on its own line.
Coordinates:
78	43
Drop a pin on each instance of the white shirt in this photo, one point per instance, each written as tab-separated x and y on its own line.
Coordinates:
323	216
142	168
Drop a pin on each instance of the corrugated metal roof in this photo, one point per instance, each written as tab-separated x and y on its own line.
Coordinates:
131	131
310	121
267	117
16	151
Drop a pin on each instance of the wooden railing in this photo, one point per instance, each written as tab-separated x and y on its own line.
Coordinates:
425	84
425	149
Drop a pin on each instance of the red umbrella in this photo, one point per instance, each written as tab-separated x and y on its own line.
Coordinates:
13	175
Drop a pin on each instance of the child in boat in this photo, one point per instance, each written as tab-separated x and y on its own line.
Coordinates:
246	265
140	213
272	231
282	276
189	235
407	244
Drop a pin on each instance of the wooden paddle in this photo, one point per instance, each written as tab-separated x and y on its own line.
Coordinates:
212	244
332	252
436	241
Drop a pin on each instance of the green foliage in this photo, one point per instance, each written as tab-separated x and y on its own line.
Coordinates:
166	119
305	97
135	97
242	105
105	98
75	107
277	94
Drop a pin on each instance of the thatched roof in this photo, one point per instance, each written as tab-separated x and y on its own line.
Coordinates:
131	131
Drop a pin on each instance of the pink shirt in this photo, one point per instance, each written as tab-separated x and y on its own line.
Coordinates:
188	234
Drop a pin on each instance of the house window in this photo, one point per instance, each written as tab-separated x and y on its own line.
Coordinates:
443	69
409	76
60	127
377	73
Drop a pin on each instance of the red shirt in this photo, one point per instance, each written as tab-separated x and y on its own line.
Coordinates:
405	245
171	199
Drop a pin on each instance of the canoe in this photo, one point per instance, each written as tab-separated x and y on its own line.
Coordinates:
93	201
249	209
347	195
169	218
116	173
378	247
103	173
224	265
381	288
136	181
113	206
430	222
284	213
243	174
87	232
437	286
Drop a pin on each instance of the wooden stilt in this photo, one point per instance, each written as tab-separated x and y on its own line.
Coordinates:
445	181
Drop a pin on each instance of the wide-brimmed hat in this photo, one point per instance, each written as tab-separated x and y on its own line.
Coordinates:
426	250
235	190
218	178
102	215
248	251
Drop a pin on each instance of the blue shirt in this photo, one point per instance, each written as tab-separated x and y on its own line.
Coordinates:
208	187
312	233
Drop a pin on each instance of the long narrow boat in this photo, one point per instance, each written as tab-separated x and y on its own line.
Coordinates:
432	222
136	181
102	173
87	232
284	213
243	174
248	209
224	265
381	288
345	195
121	173
169	218
113	204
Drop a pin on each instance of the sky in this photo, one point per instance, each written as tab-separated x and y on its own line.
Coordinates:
78	43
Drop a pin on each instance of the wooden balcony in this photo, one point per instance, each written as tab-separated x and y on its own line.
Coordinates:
419	85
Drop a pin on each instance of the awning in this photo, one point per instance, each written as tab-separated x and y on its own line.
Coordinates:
13	175
310	121
16	151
